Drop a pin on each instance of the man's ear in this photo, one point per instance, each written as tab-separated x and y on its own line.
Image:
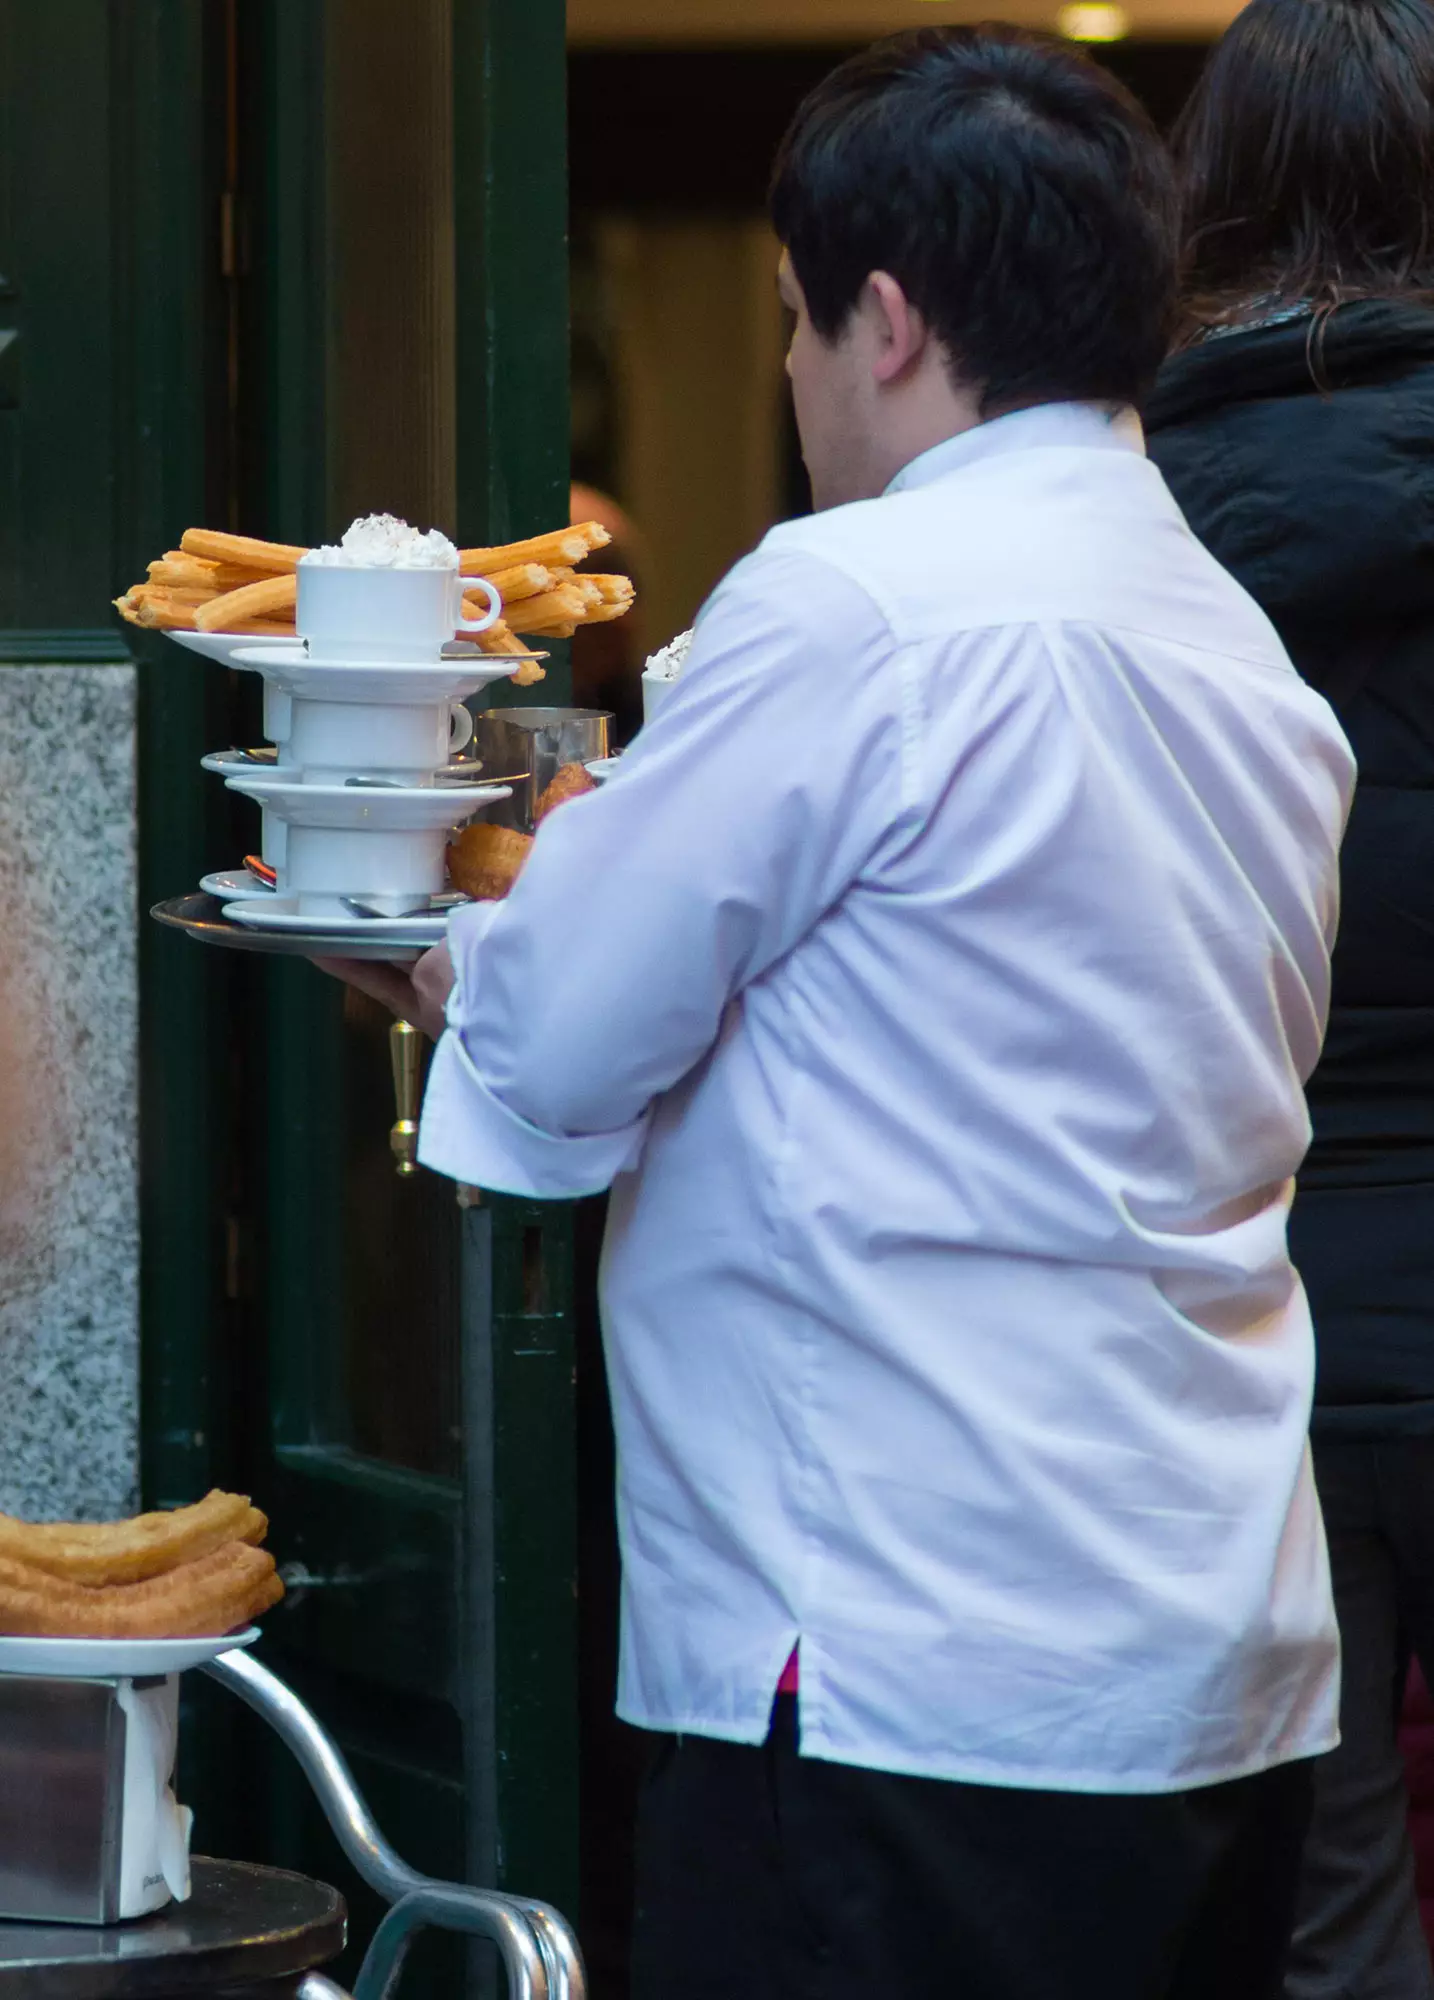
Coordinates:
900	334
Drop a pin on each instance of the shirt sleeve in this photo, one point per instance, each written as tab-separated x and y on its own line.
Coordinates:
742	813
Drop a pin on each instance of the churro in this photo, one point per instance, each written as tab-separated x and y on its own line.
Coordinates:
550	612
614	589
604	614
242	551
500	638
558	549
129	1551
139	607
524	580
186	572
273	595
215	1593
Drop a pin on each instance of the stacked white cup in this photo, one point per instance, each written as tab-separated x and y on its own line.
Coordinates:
370	706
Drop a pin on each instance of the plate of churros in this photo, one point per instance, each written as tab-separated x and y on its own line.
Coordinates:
152	1594
218	590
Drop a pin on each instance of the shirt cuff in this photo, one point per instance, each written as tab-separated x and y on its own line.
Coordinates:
471	1135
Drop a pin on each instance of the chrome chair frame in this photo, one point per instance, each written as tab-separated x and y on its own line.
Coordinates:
536	1945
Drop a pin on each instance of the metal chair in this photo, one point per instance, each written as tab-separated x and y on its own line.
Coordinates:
536	1945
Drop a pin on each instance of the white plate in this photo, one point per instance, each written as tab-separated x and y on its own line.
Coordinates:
230	764
602	768
222	646
281	913
452	676
108	1659
389	808
232	885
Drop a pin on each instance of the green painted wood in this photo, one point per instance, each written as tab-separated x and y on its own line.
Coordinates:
161	480
283	474
511	207
57	214
513	444
62	646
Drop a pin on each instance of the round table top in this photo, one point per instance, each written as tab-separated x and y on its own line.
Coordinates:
241	1927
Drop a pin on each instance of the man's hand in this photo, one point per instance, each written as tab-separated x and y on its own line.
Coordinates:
418	994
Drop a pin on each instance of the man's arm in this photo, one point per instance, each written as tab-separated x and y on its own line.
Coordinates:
740	816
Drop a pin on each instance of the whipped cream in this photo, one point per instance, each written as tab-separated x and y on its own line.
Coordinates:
382	541
667	663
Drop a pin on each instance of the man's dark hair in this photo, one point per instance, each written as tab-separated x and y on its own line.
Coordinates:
1306	157
1016	192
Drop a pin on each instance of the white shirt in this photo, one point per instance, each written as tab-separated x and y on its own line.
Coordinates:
935	981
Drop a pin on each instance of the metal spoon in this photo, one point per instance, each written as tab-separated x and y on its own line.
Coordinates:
361	909
435	906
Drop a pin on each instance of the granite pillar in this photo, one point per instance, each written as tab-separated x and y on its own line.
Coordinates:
69	1197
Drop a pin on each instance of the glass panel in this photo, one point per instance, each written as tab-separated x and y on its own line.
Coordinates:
391	266
401	1271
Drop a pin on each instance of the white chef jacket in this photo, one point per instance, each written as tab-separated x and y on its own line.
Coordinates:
934	983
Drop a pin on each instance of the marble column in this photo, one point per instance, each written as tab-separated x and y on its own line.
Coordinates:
69	1197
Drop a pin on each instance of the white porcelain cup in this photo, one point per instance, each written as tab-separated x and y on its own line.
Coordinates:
328	864
655	690
274	847
330	741
347	615
276	714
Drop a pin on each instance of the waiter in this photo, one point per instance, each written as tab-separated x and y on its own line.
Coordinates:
934	986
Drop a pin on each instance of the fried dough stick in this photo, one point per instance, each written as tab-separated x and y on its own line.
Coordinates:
500	638
272	598
241	551
121	1552
556	550
219	1592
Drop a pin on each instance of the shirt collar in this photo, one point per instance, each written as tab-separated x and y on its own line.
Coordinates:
1081	426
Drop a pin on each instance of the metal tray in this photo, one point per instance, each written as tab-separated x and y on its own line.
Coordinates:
201	917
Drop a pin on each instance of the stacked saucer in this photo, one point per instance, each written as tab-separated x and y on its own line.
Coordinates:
360	790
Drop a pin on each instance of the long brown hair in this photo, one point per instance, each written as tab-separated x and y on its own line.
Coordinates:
1306	159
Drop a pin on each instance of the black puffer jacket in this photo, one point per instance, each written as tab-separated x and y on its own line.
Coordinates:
1321	502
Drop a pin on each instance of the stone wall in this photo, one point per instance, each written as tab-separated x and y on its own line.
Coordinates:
69	1197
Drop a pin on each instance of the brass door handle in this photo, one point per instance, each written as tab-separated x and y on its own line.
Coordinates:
405	1047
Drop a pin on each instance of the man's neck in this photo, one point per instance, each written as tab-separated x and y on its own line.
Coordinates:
931	414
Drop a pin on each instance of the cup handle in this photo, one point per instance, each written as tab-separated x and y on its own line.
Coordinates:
495	604
460	728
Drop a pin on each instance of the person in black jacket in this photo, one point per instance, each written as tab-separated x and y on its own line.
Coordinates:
1295	426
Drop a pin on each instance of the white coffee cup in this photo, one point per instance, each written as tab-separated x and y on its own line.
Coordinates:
326	865
347	614
276	714
346	841
655	690
330	741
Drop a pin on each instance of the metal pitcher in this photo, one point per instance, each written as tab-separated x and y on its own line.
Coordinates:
526	747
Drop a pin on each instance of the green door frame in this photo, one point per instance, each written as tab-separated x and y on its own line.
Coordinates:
511	219
518	1565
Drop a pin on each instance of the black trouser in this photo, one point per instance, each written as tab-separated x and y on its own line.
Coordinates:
1358	1935
766	1876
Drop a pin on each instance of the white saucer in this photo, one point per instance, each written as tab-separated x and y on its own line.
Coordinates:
449	677
113	1659
222	646
281	913
602	768
391	808
227	763
233	885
